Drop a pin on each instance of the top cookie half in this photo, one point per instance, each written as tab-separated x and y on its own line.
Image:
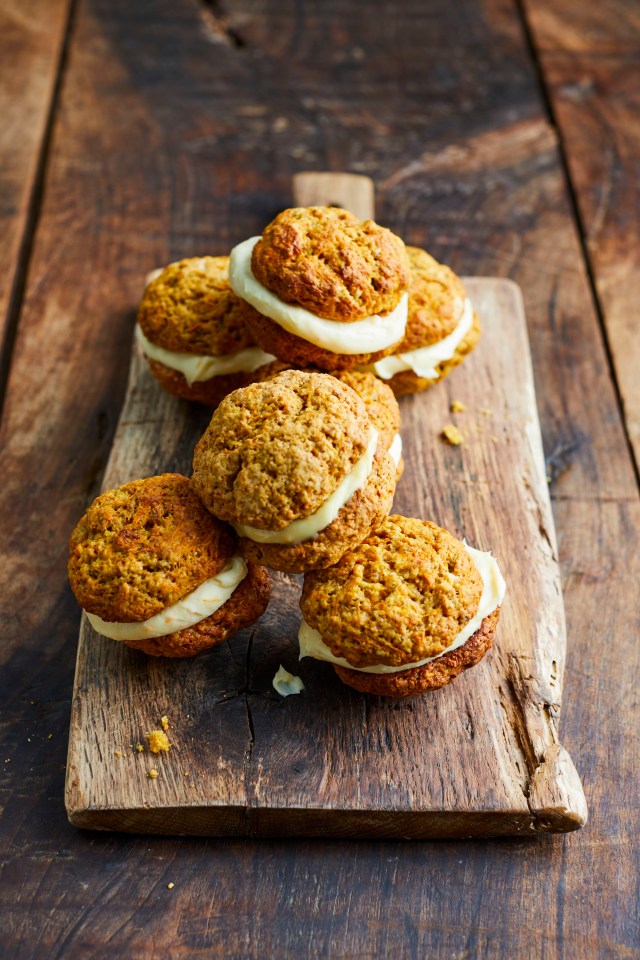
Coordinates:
332	264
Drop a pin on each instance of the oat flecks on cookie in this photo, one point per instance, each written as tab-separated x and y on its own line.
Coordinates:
276	451
403	594
143	546
410	593
190	308
436	301
146	546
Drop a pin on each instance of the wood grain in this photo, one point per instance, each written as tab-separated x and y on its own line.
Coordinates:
31	37
353	191
330	762
170	143
589	55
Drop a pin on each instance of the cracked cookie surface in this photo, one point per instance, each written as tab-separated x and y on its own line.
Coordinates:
331	263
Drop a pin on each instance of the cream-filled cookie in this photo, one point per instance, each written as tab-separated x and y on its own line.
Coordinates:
403	612
329	290
193	330
154	570
295	465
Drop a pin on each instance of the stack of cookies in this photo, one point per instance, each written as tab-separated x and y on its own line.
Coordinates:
301	340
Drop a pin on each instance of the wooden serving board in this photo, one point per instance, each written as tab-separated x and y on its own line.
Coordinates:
478	757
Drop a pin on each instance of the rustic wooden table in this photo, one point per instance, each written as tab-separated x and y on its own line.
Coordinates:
504	136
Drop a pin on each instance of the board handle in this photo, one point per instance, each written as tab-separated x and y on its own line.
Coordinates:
353	191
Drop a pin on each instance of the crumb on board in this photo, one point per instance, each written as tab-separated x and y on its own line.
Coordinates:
452	435
153	773
118	753
158	741
486	412
170	886
458	406
139	748
164	722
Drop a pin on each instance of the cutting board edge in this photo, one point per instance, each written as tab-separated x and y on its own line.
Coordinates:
220	821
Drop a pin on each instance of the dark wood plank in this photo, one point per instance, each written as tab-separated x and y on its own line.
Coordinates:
590	57
31	38
171	141
245	761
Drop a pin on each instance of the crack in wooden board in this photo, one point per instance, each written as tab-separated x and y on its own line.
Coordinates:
480	757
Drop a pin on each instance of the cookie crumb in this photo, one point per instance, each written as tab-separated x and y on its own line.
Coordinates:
158	741
118	754
164	722
458	406
153	773
139	748
170	886
452	435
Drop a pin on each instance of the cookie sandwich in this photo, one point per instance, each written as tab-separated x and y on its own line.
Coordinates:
378	398
405	611
295	465
193	330
329	290
442	328
153	569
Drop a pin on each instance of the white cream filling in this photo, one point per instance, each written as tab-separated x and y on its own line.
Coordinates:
395	450
196	606
424	361
312	644
307	527
362	336
196	368
286	683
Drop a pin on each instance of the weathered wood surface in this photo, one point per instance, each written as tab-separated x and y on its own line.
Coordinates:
351	190
479	757
31	38
590	56
171	141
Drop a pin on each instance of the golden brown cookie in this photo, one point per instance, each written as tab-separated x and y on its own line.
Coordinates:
190	309
437	673
207	392
276	451
436	300
365	510
407	382
246	604
145	546
331	263
406	594
298	352
436	295
403	594
378	397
